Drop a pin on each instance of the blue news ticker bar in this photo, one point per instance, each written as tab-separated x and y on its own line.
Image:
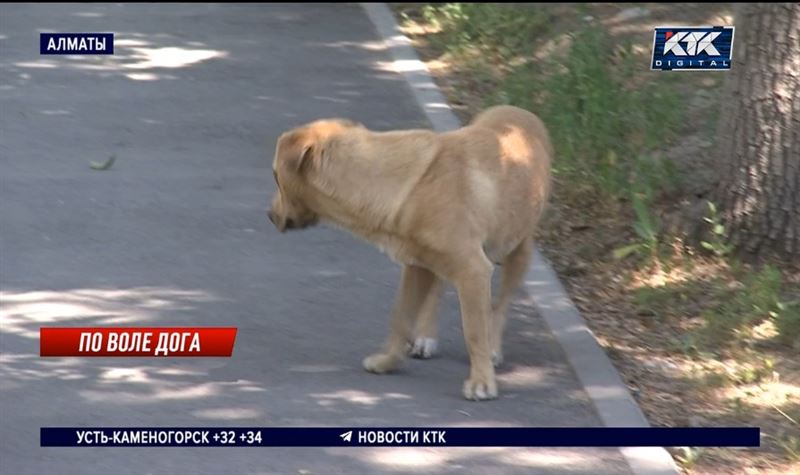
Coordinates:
402	436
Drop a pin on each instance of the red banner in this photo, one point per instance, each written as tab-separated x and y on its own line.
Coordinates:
141	341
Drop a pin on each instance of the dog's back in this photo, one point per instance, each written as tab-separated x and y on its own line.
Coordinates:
500	164
500	118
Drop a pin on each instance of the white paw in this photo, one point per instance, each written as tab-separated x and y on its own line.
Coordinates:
497	358
380	363
478	390
423	348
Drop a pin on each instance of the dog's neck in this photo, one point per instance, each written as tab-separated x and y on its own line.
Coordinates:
365	178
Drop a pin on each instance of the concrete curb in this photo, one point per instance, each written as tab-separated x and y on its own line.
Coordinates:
594	370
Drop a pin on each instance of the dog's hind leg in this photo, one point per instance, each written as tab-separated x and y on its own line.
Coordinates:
514	267
426	330
415	284
474	285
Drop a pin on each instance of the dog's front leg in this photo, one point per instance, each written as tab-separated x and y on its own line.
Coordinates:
474	286
425	334
415	284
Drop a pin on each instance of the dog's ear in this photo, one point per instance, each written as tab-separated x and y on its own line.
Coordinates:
308	157
299	150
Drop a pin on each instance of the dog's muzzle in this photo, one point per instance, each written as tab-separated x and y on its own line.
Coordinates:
282	225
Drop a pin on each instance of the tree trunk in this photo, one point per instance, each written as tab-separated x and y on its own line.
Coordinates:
758	141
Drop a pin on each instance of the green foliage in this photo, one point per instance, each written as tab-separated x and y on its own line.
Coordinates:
787	321
503	31
756	300
717	241
733	313
646	228
662	300
791	446
756	372
689	456
603	128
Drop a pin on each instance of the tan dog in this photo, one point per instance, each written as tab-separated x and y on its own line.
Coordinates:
445	206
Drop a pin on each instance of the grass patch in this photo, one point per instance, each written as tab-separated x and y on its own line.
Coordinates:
791	446
787	323
604	129
661	300
604	126
732	305
647	228
497	33
756	299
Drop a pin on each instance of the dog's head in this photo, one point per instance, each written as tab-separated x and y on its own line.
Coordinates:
298	154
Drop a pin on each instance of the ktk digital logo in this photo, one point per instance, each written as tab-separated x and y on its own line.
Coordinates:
692	48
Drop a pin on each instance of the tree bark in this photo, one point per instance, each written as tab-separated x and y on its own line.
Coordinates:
758	140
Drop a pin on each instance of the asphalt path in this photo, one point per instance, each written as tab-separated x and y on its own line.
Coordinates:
176	234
